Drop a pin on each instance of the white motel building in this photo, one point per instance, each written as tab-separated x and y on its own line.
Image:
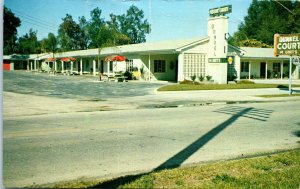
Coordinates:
175	60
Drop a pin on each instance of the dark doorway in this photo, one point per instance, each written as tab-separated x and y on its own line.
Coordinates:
78	66
102	66
231	72
263	70
176	70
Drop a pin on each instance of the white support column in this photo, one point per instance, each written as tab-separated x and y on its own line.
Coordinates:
249	70
108	68
71	69
28	68
55	66
281	69
62	67
94	67
149	66
81	66
296	72
31	66
266	77
180	76
35	65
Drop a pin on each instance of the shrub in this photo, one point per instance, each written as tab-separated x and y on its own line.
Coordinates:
128	75
208	77
201	78
245	82
193	78
186	82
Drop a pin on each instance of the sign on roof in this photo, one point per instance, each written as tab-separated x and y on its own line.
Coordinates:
287	44
220	11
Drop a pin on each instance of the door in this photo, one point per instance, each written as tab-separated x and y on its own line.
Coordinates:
102	66
263	70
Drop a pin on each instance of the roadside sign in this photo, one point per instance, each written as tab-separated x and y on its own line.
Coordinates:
295	60
287	44
220	11
230	60
217	60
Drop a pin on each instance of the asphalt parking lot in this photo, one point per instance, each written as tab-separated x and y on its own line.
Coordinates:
75	87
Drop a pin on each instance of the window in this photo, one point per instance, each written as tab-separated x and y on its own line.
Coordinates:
245	67
194	64
159	66
129	65
276	67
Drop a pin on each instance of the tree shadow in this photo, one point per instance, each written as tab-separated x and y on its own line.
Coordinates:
286	88
176	160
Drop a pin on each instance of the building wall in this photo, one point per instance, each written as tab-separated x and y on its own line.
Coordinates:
255	69
6	65
217	27
170	66
199	54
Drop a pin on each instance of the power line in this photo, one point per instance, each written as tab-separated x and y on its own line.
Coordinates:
283	6
35	19
39	25
42	24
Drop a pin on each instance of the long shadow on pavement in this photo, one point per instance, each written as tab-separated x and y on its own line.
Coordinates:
180	157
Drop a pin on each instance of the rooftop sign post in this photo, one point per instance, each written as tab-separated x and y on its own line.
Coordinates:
220	11
287	44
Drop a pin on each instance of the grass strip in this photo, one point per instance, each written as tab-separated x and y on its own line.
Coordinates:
281	170
188	87
278	95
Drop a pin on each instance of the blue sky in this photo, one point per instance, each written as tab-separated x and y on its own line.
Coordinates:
170	19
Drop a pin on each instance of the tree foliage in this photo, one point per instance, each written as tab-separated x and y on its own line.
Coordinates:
133	25
78	35
96	32
264	19
50	44
28	44
11	22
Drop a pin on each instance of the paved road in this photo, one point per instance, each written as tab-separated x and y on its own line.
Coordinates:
47	148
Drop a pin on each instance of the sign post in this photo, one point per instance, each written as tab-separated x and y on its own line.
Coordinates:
287	44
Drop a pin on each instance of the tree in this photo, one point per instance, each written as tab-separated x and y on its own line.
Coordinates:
28	44
50	44
265	18
118	37
69	34
98	30
11	22
133	25
84	40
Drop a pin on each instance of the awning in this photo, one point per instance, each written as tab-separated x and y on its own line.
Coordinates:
115	58
50	59
68	59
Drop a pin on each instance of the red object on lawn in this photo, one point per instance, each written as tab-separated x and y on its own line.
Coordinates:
115	58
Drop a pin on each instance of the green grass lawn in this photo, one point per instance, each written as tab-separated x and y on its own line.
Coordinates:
281	170
188	87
